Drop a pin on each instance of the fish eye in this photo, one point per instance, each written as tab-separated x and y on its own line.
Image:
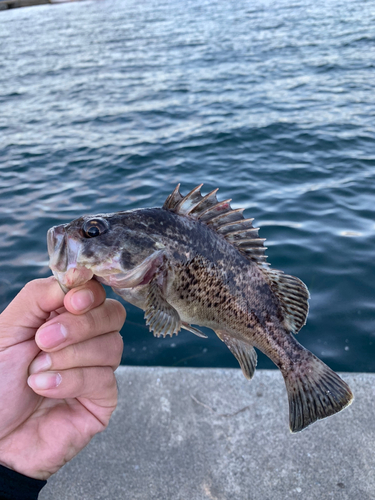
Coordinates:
94	227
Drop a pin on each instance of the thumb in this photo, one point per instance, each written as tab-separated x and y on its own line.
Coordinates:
29	310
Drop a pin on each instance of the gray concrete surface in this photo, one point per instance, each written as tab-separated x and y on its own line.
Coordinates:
192	434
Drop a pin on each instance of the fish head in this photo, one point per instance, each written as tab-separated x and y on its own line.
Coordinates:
113	248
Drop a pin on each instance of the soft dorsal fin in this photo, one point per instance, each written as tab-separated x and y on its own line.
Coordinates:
222	218
293	295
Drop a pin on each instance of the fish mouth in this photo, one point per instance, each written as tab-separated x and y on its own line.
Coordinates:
57	248
64	255
72	270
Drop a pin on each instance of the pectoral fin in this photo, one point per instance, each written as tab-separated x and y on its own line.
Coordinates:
194	330
243	352
160	316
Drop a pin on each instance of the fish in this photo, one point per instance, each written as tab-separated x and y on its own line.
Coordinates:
197	262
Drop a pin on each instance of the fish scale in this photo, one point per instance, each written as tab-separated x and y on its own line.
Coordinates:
196	261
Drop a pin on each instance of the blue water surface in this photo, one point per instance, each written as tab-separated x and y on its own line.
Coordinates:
107	105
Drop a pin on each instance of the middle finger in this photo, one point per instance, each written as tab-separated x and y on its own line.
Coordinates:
67	328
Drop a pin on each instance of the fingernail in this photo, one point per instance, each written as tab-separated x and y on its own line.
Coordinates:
82	300
47	380
41	363
51	336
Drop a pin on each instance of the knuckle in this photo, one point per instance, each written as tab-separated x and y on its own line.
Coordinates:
118	312
98	321
119	342
73	353
107	377
81	379
118	348
37	284
79	326
98	291
31	287
109	316
90	322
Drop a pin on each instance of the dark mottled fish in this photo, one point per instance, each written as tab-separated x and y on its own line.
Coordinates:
198	261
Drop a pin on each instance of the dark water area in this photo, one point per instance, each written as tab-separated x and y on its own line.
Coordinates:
107	105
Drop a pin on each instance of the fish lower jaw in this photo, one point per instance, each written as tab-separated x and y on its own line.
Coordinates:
73	277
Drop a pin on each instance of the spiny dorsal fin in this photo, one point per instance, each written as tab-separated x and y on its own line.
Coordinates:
173	199
222	218
293	295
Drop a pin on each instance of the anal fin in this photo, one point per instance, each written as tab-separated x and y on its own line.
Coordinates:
243	352
160	316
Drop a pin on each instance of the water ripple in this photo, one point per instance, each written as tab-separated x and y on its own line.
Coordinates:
105	106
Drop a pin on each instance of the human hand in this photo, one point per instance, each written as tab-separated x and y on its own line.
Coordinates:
48	417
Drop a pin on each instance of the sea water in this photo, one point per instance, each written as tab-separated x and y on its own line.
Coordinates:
107	105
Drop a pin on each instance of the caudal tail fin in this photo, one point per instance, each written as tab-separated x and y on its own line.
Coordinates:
315	392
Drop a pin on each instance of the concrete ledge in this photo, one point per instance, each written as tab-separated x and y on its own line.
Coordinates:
192	434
